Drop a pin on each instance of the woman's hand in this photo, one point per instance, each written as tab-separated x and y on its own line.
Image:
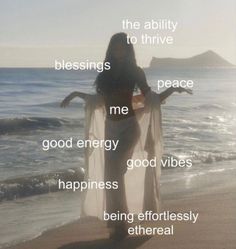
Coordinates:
86	97
66	100
181	90
164	95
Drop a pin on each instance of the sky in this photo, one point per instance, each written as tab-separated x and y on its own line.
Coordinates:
36	33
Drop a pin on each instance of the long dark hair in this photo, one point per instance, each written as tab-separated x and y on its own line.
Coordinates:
105	80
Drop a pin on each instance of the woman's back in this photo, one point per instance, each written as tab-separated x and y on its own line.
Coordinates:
118	91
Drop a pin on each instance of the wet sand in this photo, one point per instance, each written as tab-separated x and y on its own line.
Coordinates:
214	229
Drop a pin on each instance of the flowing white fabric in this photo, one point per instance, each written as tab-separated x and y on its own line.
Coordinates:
142	184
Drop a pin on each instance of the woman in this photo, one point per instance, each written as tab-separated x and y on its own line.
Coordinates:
116	87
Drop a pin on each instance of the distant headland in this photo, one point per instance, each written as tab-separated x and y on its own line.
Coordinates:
206	59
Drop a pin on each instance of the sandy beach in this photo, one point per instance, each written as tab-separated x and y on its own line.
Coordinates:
118	124
208	188
215	228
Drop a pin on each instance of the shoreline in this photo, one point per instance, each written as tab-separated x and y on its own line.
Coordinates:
216	227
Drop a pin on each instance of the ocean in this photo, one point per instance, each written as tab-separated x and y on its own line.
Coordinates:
201	127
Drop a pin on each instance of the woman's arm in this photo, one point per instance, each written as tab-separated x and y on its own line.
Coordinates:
164	95
146	90
71	96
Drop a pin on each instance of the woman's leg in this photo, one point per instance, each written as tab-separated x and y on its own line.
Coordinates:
115	198
116	201
115	168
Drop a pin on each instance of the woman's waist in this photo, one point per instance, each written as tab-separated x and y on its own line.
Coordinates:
119	111
119	117
129	120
